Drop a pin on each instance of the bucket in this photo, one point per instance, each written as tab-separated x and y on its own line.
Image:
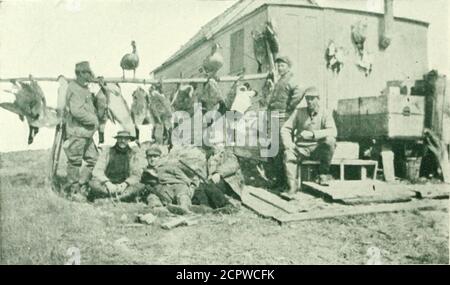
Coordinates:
413	168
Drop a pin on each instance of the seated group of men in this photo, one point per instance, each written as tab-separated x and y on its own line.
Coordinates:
205	176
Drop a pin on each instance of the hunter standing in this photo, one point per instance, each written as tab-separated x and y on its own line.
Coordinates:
81	124
283	100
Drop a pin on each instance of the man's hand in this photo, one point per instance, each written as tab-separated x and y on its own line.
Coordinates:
215	178
307	135
110	187
121	187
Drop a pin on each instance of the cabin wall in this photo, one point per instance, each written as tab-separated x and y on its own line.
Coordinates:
305	33
190	64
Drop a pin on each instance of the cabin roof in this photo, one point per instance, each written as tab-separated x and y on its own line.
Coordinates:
243	8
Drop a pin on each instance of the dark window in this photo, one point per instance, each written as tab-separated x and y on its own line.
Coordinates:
237	51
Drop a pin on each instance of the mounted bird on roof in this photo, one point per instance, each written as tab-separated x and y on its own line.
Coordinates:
130	61
214	61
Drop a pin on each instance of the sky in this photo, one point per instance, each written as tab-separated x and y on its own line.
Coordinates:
47	38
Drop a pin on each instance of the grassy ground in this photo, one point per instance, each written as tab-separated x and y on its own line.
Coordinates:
38	226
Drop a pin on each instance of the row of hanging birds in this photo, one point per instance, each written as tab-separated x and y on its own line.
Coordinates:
30	103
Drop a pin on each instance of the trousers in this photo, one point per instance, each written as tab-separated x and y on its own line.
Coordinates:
78	149
322	151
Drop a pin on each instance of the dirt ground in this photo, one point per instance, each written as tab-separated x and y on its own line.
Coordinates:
38	227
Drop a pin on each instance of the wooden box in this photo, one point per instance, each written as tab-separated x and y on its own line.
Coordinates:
390	115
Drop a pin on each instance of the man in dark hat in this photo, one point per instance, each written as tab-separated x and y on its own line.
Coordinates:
286	94
282	101
310	132
117	171
81	124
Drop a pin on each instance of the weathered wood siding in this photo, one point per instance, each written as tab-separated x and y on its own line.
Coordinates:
190	64
304	34
307	42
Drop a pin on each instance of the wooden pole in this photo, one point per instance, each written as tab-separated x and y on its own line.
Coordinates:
149	81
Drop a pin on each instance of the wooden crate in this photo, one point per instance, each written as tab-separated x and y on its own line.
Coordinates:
390	115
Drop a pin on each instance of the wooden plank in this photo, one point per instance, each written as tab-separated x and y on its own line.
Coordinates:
260	207
343	161
364	210
375	200
431	191
252	153
359	192
270	198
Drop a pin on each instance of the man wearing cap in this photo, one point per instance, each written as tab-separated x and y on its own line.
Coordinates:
117	171
286	94
310	132
150	175
283	99
81	124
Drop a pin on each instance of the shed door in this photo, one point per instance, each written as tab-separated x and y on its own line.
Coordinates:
301	39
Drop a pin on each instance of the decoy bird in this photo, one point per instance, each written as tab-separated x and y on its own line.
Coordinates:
214	61
130	61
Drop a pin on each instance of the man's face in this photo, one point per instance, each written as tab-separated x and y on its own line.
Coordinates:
151	159
313	103
84	76
282	67
123	142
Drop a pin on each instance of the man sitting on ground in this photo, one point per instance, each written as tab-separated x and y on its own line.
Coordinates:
309	133
169	183
224	179
117	171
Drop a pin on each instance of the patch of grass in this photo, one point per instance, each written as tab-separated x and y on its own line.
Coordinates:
38	227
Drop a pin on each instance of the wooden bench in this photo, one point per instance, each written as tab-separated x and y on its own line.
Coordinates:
342	163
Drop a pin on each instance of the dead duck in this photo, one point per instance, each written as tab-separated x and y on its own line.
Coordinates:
30	104
130	61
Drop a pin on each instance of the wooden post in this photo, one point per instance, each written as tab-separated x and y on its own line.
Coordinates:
434	118
387	156
342	169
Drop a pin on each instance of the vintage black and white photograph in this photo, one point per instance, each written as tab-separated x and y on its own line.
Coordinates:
224	132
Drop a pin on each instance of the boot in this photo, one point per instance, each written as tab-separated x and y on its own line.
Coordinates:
73	175
85	175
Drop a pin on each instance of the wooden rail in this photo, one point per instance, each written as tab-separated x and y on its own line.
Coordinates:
150	81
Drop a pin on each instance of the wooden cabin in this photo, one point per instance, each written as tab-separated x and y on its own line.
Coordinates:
305	31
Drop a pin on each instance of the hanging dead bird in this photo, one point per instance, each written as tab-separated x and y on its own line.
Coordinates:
259	49
271	37
111	105
140	109
183	99
210	95
335	57
214	61
30	103
359	34
161	111
130	61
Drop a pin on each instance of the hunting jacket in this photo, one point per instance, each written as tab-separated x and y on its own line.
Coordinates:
81	117
103	160
286	95
321	123
226	164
